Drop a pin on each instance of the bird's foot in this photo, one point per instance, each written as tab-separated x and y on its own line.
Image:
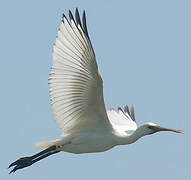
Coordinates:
20	163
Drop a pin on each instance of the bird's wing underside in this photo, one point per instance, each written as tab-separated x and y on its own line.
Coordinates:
76	87
122	120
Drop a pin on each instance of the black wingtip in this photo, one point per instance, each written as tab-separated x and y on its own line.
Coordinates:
84	23
130	112
63	17
133	113
126	109
77	16
119	109
71	16
77	10
84	14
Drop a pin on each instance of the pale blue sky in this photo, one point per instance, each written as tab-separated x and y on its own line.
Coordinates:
144	55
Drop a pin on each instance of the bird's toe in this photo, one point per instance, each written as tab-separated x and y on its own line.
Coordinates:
20	163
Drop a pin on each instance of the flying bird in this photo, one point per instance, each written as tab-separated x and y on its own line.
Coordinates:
76	91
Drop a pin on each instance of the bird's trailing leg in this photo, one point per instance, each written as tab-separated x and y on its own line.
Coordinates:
28	161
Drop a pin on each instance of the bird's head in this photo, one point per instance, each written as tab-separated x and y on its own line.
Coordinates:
151	128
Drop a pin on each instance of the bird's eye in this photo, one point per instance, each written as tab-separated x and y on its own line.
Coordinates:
150	127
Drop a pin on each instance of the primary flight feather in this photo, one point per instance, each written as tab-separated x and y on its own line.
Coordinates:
76	91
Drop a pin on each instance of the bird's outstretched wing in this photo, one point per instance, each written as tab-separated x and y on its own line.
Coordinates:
76	87
122	120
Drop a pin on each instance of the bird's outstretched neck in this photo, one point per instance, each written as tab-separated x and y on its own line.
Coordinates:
131	138
28	161
145	129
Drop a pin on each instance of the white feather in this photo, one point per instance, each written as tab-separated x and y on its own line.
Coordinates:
76	87
121	121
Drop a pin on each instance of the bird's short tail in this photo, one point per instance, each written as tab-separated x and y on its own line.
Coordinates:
46	144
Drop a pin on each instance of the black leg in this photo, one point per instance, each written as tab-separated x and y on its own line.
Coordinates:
28	161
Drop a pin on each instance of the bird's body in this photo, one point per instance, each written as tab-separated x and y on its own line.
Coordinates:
96	139
76	91
87	142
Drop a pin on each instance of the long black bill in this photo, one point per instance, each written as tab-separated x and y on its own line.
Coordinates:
28	161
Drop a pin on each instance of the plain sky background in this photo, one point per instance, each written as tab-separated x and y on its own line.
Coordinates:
143	50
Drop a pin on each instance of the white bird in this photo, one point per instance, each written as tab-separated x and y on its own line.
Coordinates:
76	90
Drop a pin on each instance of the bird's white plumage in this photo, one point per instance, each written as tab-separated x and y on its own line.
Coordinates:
121	120
76	88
